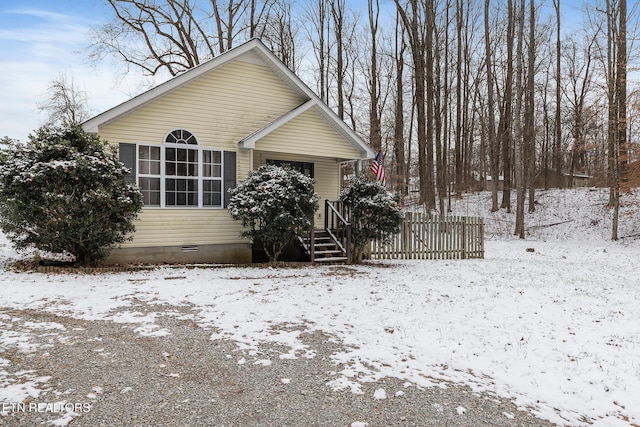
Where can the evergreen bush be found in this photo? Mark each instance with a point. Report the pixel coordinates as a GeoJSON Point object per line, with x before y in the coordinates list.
{"type": "Point", "coordinates": [64, 192]}
{"type": "Point", "coordinates": [275, 205]}
{"type": "Point", "coordinates": [374, 213]}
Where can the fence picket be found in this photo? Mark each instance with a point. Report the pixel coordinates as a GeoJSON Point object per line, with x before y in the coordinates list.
{"type": "Point", "coordinates": [432, 237]}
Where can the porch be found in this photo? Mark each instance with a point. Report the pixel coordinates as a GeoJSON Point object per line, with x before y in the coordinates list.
{"type": "Point", "coordinates": [421, 237]}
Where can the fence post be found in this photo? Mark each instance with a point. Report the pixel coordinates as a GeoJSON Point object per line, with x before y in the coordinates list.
{"type": "Point", "coordinates": [464, 237]}
{"type": "Point", "coordinates": [349, 243]}
{"type": "Point", "coordinates": [312, 244]}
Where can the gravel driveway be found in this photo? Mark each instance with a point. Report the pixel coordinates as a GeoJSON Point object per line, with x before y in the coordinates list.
{"type": "Point", "coordinates": [114, 376]}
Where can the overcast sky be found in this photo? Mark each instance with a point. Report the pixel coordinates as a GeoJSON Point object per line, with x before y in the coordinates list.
{"type": "Point", "coordinates": [41, 39]}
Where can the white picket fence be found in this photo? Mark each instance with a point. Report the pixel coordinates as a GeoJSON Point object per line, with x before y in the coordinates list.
{"type": "Point", "coordinates": [433, 237]}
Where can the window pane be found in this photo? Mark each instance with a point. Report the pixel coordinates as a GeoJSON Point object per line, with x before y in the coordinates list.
{"type": "Point", "coordinates": [154, 184]}
{"type": "Point", "coordinates": [171, 154]}
{"type": "Point", "coordinates": [170, 169]}
{"type": "Point", "coordinates": [193, 169]}
{"type": "Point", "coordinates": [181, 169]}
{"type": "Point", "coordinates": [181, 199]}
{"type": "Point", "coordinates": [193, 156]}
{"type": "Point", "coordinates": [181, 192]}
{"type": "Point", "coordinates": [181, 155]}
{"type": "Point", "coordinates": [211, 193]}
{"type": "Point", "coordinates": [143, 151]}
{"type": "Point", "coordinates": [143, 167]}
{"type": "Point", "coordinates": [154, 168]}
{"type": "Point", "coordinates": [150, 188]}
{"type": "Point", "coordinates": [154, 198]}
{"type": "Point", "coordinates": [154, 153]}
{"type": "Point", "coordinates": [212, 166]}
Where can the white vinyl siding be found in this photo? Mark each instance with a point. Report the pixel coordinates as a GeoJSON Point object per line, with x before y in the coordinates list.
{"type": "Point", "coordinates": [221, 108]}
{"type": "Point", "coordinates": [183, 227]}
{"type": "Point", "coordinates": [309, 135]}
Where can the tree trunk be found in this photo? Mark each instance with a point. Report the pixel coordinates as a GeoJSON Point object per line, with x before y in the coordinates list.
{"type": "Point", "coordinates": [557, 157]}
{"type": "Point", "coordinates": [520, 127]}
{"type": "Point", "coordinates": [531, 124]}
{"type": "Point", "coordinates": [507, 113]}
{"type": "Point", "coordinates": [621, 101]}
{"type": "Point", "coordinates": [398, 127]}
{"type": "Point", "coordinates": [491, 131]}
{"type": "Point", "coordinates": [459, 83]}
{"type": "Point", "coordinates": [375, 135]}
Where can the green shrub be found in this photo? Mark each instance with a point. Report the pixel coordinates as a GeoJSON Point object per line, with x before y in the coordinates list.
{"type": "Point", "coordinates": [374, 213]}
{"type": "Point", "coordinates": [275, 206]}
{"type": "Point", "coordinates": [65, 192]}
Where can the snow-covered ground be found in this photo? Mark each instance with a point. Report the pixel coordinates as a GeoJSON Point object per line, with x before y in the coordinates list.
{"type": "Point", "coordinates": [556, 329]}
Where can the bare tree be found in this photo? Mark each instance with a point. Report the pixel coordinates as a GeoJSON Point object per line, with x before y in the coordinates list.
{"type": "Point", "coordinates": [576, 90]}
{"type": "Point", "coordinates": [337, 8]}
{"type": "Point", "coordinates": [520, 124]}
{"type": "Point", "coordinates": [506, 114]}
{"type": "Point", "coordinates": [317, 30]}
{"type": "Point", "coordinates": [175, 35]}
{"type": "Point", "coordinates": [375, 132]}
{"type": "Point", "coordinates": [491, 125]}
{"type": "Point", "coordinates": [280, 33]}
{"type": "Point", "coordinates": [412, 17]}
{"type": "Point", "coordinates": [458, 147]}
{"type": "Point", "coordinates": [402, 171]}
{"type": "Point", "coordinates": [66, 103]}
{"type": "Point", "coordinates": [557, 141]}
{"type": "Point", "coordinates": [530, 142]}
{"type": "Point", "coordinates": [621, 103]}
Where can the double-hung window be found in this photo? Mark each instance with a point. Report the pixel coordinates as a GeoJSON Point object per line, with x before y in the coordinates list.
{"type": "Point", "coordinates": [180, 173]}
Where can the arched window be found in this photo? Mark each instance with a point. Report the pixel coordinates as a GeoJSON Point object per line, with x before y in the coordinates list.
{"type": "Point", "coordinates": [181, 169]}
{"type": "Point", "coordinates": [181, 136]}
{"type": "Point", "coordinates": [180, 173]}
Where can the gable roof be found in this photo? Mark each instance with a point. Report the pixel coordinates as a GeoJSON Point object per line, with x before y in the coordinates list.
{"type": "Point", "coordinates": [252, 51]}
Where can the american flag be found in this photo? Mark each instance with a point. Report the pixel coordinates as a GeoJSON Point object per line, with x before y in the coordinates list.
{"type": "Point", "coordinates": [378, 168]}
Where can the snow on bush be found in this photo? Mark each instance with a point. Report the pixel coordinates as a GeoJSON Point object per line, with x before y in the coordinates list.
{"type": "Point", "coordinates": [374, 213]}
{"type": "Point", "coordinates": [275, 205]}
{"type": "Point", "coordinates": [65, 192]}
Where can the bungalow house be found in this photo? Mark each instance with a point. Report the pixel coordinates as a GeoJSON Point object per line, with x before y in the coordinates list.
{"type": "Point", "coordinates": [190, 139]}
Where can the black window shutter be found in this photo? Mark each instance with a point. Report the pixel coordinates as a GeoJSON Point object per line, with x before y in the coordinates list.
{"type": "Point", "coordinates": [229, 174]}
{"type": "Point", "coordinates": [127, 154]}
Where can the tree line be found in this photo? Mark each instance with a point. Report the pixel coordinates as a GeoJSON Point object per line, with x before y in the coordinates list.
{"type": "Point", "coordinates": [458, 94]}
